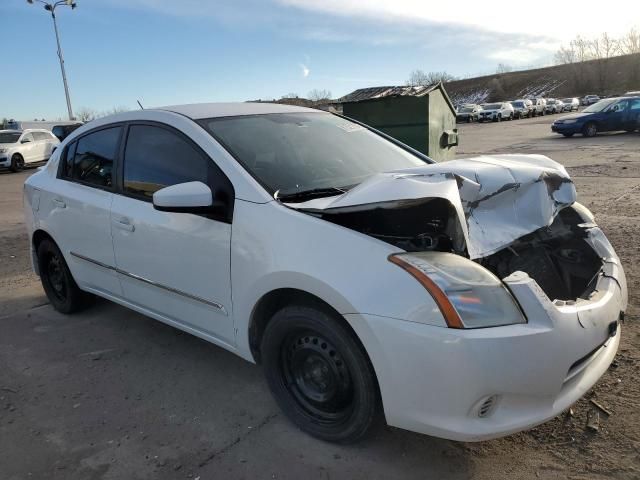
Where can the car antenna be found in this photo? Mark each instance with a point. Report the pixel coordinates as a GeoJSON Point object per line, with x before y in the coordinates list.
{"type": "Point", "coordinates": [141, 107]}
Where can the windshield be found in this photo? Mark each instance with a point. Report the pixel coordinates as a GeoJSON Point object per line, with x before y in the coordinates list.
{"type": "Point", "coordinates": [466, 109]}
{"type": "Point", "coordinates": [290, 152]}
{"type": "Point", "coordinates": [517, 104]}
{"type": "Point", "coordinates": [9, 137]}
{"type": "Point", "coordinates": [599, 106]}
{"type": "Point", "coordinates": [551, 102]}
{"type": "Point", "coordinates": [568, 100]}
{"type": "Point", "coordinates": [491, 106]}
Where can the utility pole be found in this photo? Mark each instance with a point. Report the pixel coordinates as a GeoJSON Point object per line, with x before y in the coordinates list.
{"type": "Point", "coordinates": [51, 7]}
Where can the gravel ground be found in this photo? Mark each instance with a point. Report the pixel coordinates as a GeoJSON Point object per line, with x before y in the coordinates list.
{"type": "Point", "coordinates": [110, 394]}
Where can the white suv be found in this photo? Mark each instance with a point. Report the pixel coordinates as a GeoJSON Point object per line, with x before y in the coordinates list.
{"type": "Point", "coordinates": [362, 275]}
{"type": "Point", "coordinates": [496, 112]}
{"type": "Point", "coordinates": [18, 148]}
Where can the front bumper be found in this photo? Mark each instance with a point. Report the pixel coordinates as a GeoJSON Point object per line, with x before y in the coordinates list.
{"type": "Point", "coordinates": [435, 380]}
{"type": "Point", "coordinates": [566, 127]}
{"type": "Point", "coordinates": [487, 118]}
{"type": "Point", "coordinates": [4, 160]}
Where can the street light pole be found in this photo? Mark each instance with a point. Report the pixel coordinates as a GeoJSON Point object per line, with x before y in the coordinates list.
{"type": "Point", "coordinates": [51, 7]}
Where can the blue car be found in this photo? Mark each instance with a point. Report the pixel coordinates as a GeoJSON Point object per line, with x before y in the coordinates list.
{"type": "Point", "coordinates": [607, 115]}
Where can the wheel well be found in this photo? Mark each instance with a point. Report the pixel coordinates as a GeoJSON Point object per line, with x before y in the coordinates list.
{"type": "Point", "coordinates": [16, 154]}
{"type": "Point", "coordinates": [38, 237]}
{"type": "Point", "coordinates": [275, 300]}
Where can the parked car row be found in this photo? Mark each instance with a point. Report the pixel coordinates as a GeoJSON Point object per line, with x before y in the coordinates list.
{"type": "Point", "coordinates": [515, 109]}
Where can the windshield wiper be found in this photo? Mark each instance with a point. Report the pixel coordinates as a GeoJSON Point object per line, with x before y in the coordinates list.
{"type": "Point", "coordinates": [309, 194]}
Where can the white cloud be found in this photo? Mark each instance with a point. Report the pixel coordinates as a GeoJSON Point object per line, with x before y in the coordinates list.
{"type": "Point", "coordinates": [557, 20]}
{"type": "Point", "coordinates": [305, 70]}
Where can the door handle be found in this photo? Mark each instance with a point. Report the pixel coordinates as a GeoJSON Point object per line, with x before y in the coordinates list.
{"type": "Point", "coordinates": [125, 224]}
{"type": "Point", "coordinates": [59, 203]}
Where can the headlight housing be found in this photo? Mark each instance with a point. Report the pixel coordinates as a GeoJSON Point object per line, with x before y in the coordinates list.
{"type": "Point", "coordinates": [3, 150]}
{"type": "Point", "coordinates": [468, 295]}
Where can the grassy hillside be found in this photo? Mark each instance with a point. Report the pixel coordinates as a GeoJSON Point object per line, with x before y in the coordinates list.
{"type": "Point", "coordinates": [611, 76]}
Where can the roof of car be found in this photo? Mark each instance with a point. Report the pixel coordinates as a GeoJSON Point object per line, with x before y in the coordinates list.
{"type": "Point", "coordinates": [198, 111]}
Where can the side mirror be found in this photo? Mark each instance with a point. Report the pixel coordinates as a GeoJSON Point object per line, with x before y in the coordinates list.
{"type": "Point", "coordinates": [189, 197]}
{"type": "Point", "coordinates": [25, 140]}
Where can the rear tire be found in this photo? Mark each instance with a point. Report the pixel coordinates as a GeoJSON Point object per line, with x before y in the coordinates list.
{"type": "Point", "coordinates": [319, 374]}
{"type": "Point", "coordinates": [58, 283]}
{"type": "Point", "coordinates": [589, 130]}
{"type": "Point", "coordinates": [17, 163]}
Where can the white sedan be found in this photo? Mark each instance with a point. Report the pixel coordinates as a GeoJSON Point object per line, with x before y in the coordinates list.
{"type": "Point", "coordinates": [467, 300]}
{"type": "Point", "coordinates": [20, 147]}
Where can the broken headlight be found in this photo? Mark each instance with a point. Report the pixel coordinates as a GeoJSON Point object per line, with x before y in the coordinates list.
{"type": "Point", "coordinates": [468, 295]}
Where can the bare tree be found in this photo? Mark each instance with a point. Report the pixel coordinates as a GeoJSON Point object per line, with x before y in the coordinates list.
{"type": "Point", "coordinates": [290, 95]}
{"type": "Point", "coordinates": [420, 78]}
{"type": "Point", "coordinates": [630, 42]}
{"type": "Point", "coordinates": [504, 68]}
{"type": "Point", "coordinates": [114, 110]}
{"type": "Point", "coordinates": [603, 47]}
{"type": "Point", "coordinates": [316, 95]}
{"type": "Point", "coordinates": [86, 114]}
{"type": "Point", "coordinates": [565, 55]}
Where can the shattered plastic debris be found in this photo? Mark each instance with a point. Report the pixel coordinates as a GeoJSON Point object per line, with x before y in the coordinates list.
{"type": "Point", "coordinates": [498, 198]}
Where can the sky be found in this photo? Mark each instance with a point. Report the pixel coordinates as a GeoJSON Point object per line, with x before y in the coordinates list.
{"type": "Point", "coordinates": [165, 52]}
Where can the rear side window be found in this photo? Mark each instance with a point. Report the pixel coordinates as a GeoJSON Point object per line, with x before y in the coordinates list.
{"type": "Point", "coordinates": [92, 161]}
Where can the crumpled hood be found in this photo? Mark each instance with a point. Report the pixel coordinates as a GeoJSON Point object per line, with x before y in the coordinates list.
{"type": "Point", "coordinates": [498, 198]}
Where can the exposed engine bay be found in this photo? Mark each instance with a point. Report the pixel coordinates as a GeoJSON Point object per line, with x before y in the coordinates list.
{"type": "Point", "coordinates": [558, 258]}
{"type": "Point", "coordinates": [397, 224]}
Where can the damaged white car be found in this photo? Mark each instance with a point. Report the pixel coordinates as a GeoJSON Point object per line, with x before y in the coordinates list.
{"type": "Point", "coordinates": [467, 300]}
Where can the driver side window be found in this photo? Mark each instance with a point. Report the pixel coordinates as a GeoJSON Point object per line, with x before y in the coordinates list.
{"type": "Point", "coordinates": [27, 137]}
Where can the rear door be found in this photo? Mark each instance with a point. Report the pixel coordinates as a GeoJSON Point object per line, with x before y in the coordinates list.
{"type": "Point", "coordinates": [176, 265]}
{"type": "Point", "coordinates": [632, 117]}
{"type": "Point", "coordinates": [78, 208]}
{"type": "Point", "coordinates": [40, 145]}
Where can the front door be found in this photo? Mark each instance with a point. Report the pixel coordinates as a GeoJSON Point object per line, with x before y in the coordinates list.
{"type": "Point", "coordinates": [175, 265]}
{"type": "Point", "coordinates": [616, 116]}
{"type": "Point", "coordinates": [28, 147]}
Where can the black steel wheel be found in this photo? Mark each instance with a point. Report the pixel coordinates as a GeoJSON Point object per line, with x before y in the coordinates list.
{"type": "Point", "coordinates": [319, 374]}
{"type": "Point", "coordinates": [57, 281]}
{"type": "Point", "coordinates": [17, 163]}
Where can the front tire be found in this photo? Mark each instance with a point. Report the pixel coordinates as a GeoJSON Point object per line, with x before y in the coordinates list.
{"type": "Point", "coordinates": [319, 374]}
{"type": "Point", "coordinates": [17, 163]}
{"type": "Point", "coordinates": [57, 281]}
{"type": "Point", "coordinates": [568, 135]}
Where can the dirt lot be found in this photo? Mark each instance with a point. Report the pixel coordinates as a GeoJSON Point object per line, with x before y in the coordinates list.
{"type": "Point", "coordinates": [111, 394]}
